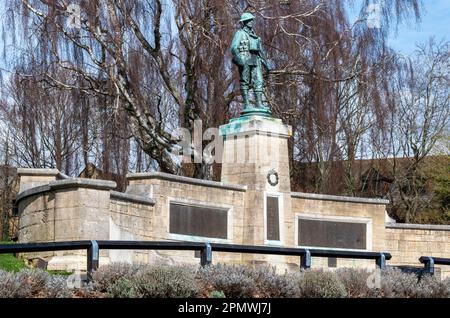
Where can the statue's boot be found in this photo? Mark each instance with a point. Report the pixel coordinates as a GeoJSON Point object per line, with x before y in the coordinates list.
{"type": "Point", "coordinates": [258, 98]}
{"type": "Point", "coordinates": [245, 98]}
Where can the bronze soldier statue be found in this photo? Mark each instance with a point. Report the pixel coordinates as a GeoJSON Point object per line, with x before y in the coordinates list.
{"type": "Point", "coordinates": [249, 56]}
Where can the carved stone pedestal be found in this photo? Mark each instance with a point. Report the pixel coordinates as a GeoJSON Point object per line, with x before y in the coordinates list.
{"type": "Point", "coordinates": [255, 154]}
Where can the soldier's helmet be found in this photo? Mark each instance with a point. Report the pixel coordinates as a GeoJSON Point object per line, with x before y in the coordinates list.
{"type": "Point", "coordinates": [246, 16]}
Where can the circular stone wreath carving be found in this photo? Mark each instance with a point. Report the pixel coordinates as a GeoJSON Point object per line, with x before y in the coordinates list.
{"type": "Point", "coordinates": [272, 177]}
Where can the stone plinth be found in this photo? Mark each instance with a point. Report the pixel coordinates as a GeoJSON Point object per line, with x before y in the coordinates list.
{"type": "Point", "coordinates": [255, 154]}
{"type": "Point", "coordinates": [253, 146]}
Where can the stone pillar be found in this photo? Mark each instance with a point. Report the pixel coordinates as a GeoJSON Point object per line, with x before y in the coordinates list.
{"type": "Point", "coordinates": [30, 177]}
{"type": "Point", "coordinates": [255, 154]}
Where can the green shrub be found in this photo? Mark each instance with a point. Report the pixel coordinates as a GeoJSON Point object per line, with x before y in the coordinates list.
{"type": "Point", "coordinates": [36, 279]}
{"type": "Point", "coordinates": [161, 281]}
{"type": "Point", "coordinates": [431, 287]}
{"type": "Point", "coordinates": [446, 286]}
{"type": "Point", "coordinates": [56, 287]}
{"type": "Point", "coordinates": [108, 275]}
{"type": "Point", "coordinates": [13, 286]}
{"type": "Point", "coordinates": [217, 294]}
{"type": "Point", "coordinates": [237, 281]}
{"type": "Point", "coordinates": [32, 283]}
{"type": "Point", "coordinates": [397, 284]}
{"type": "Point", "coordinates": [270, 284]}
{"type": "Point", "coordinates": [355, 282]}
{"type": "Point", "coordinates": [220, 281]}
{"type": "Point", "coordinates": [321, 284]}
{"type": "Point", "coordinates": [393, 283]}
{"type": "Point", "coordinates": [89, 291]}
{"type": "Point", "coordinates": [234, 281]}
{"type": "Point", "coordinates": [153, 281]}
{"type": "Point", "coordinates": [123, 288]}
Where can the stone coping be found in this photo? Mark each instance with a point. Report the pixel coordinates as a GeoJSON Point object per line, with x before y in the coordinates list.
{"type": "Point", "coordinates": [326, 197]}
{"type": "Point", "coordinates": [131, 198]}
{"type": "Point", "coordinates": [408, 226]}
{"type": "Point", "coordinates": [83, 183]}
{"type": "Point", "coordinates": [62, 176]}
{"type": "Point", "coordinates": [175, 178]}
{"type": "Point", "coordinates": [68, 183]}
{"type": "Point", "coordinates": [249, 125]}
{"type": "Point", "coordinates": [42, 172]}
{"type": "Point", "coordinates": [32, 191]}
{"type": "Point", "coordinates": [37, 172]}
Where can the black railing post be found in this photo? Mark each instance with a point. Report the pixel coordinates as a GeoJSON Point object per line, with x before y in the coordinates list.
{"type": "Point", "coordinates": [93, 255]}
{"type": "Point", "coordinates": [305, 260]}
{"type": "Point", "coordinates": [428, 262]}
{"type": "Point", "coordinates": [206, 255]}
{"type": "Point", "coordinates": [381, 261]}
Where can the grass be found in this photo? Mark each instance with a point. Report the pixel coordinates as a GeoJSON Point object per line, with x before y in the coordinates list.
{"type": "Point", "coordinates": [13, 264]}
{"type": "Point", "coordinates": [60, 273]}
{"type": "Point", "coordinates": [10, 263]}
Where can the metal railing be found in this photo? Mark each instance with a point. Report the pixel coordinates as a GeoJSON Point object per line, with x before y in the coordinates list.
{"type": "Point", "coordinates": [206, 250]}
{"type": "Point", "coordinates": [430, 261]}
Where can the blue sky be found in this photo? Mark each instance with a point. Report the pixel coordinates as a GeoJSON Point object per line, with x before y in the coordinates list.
{"type": "Point", "coordinates": [435, 22]}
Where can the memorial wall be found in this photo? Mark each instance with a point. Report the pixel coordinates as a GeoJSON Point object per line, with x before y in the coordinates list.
{"type": "Point", "coordinates": [252, 205]}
